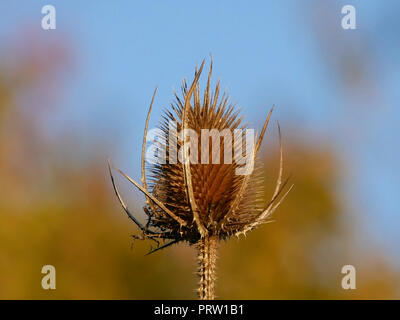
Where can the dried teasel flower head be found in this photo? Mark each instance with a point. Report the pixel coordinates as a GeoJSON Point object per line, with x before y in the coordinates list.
{"type": "Point", "coordinates": [205, 184]}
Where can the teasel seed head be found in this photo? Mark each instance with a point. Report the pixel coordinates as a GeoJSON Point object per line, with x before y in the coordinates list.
{"type": "Point", "coordinates": [204, 202]}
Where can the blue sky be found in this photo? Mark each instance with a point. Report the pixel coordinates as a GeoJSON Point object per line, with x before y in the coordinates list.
{"type": "Point", "coordinates": [287, 53]}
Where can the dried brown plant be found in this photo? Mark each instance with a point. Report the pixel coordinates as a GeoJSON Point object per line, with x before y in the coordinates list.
{"type": "Point", "coordinates": [196, 202]}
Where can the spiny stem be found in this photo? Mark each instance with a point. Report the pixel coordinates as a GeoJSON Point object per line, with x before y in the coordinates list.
{"type": "Point", "coordinates": [207, 257]}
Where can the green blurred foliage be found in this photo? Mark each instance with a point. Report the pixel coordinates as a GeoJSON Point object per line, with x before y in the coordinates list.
{"type": "Point", "coordinates": [65, 214]}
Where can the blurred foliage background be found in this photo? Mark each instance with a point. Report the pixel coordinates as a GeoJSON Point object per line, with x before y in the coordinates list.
{"type": "Point", "coordinates": [57, 207]}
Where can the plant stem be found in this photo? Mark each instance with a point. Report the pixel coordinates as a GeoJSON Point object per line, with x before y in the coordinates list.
{"type": "Point", "coordinates": [207, 257]}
